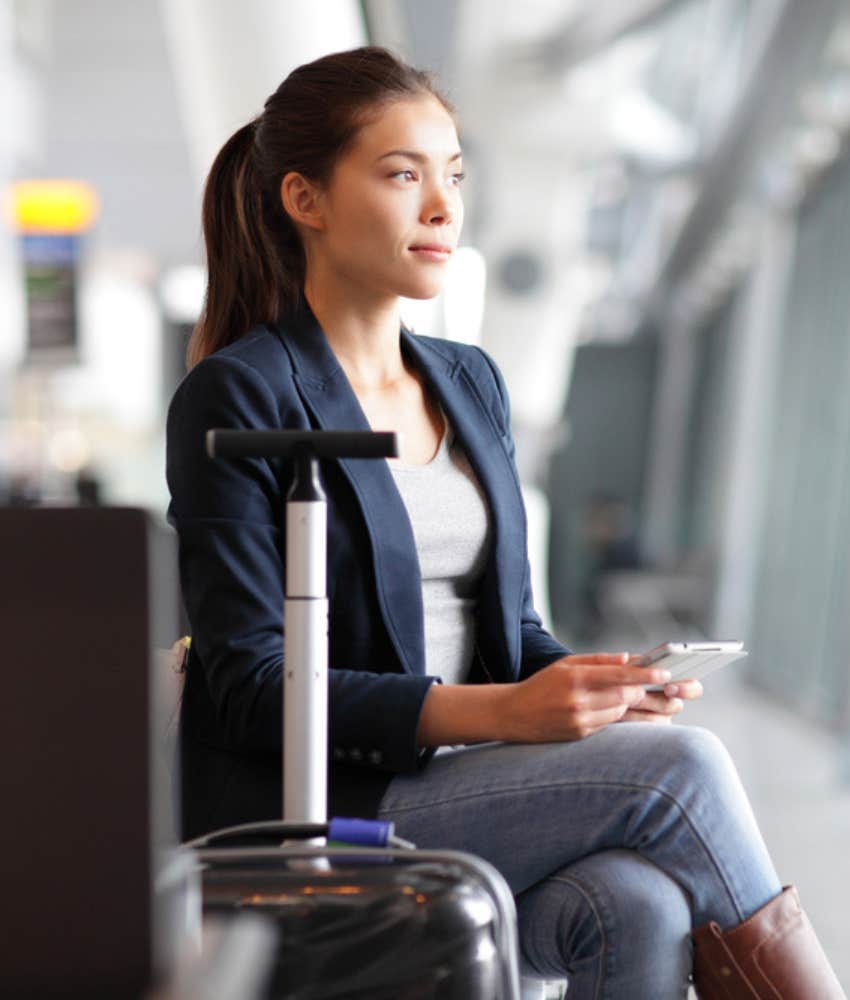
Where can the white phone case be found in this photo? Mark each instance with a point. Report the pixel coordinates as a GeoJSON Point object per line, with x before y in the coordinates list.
{"type": "Point", "coordinates": [692, 660]}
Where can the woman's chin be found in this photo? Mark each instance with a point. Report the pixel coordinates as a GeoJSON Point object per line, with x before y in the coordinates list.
{"type": "Point", "coordinates": [421, 291]}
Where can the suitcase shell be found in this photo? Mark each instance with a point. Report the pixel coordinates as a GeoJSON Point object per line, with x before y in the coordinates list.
{"type": "Point", "coordinates": [357, 923]}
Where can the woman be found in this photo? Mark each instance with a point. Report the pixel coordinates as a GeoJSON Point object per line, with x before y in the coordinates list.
{"type": "Point", "coordinates": [616, 837]}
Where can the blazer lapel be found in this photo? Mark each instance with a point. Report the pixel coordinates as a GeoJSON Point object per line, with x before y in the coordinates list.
{"type": "Point", "coordinates": [328, 395]}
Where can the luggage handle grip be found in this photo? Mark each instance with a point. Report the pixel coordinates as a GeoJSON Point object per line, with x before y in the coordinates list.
{"type": "Point", "coordinates": [228, 443]}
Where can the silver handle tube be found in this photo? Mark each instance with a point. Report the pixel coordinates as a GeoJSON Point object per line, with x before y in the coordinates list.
{"type": "Point", "coordinates": [305, 665]}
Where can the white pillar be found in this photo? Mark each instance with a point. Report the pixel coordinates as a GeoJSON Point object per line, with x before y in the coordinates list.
{"type": "Point", "coordinates": [229, 57]}
{"type": "Point", "coordinates": [532, 333]}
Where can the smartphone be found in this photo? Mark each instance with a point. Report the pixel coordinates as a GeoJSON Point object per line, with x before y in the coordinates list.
{"type": "Point", "coordinates": [691, 660]}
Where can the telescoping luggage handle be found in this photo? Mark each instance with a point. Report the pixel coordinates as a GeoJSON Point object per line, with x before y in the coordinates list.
{"type": "Point", "coordinates": [305, 660]}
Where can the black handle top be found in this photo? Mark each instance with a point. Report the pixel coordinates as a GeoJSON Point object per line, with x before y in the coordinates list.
{"type": "Point", "coordinates": [288, 444]}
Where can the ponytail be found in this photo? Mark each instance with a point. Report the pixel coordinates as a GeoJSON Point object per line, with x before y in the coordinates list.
{"type": "Point", "coordinates": [251, 263]}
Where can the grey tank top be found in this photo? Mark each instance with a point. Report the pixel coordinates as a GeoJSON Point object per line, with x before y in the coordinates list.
{"type": "Point", "coordinates": [451, 525]}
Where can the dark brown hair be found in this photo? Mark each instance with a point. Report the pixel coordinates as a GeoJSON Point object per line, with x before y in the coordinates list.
{"type": "Point", "coordinates": [255, 260]}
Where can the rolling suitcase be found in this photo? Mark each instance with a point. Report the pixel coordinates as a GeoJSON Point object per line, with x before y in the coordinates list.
{"type": "Point", "coordinates": [366, 915]}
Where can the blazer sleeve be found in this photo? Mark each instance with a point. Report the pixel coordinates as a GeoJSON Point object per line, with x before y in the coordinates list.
{"type": "Point", "coordinates": [229, 517]}
{"type": "Point", "coordinates": [538, 647]}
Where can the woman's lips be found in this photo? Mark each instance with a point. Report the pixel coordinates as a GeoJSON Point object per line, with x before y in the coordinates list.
{"type": "Point", "coordinates": [435, 253]}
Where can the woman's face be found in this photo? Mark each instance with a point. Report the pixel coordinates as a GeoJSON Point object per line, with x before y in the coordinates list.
{"type": "Point", "coordinates": [392, 210]}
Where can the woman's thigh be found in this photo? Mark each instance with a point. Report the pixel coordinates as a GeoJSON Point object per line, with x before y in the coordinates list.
{"type": "Point", "coordinates": [669, 792]}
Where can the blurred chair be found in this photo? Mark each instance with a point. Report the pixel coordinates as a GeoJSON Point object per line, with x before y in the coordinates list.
{"type": "Point", "coordinates": [658, 604]}
{"type": "Point", "coordinates": [87, 595]}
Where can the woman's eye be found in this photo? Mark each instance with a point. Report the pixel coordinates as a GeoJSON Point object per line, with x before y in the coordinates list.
{"type": "Point", "coordinates": [457, 178]}
{"type": "Point", "coordinates": [406, 174]}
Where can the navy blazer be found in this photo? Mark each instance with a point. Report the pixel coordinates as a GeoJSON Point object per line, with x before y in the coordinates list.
{"type": "Point", "coordinates": [229, 516]}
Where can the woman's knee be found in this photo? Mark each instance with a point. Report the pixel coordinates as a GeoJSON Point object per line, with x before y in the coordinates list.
{"type": "Point", "coordinates": [686, 757]}
{"type": "Point", "coordinates": [702, 749]}
{"type": "Point", "coordinates": [633, 895]}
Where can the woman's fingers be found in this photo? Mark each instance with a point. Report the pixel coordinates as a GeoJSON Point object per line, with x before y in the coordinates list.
{"type": "Point", "coordinates": [590, 722]}
{"type": "Point", "coordinates": [636, 715]}
{"type": "Point", "coordinates": [658, 703]}
{"type": "Point", "coordinates": [689, 690]}
{"type": "Point", "coordinates": [599, 699]}
{"type": "Point", "coordinates": [605, 680]}
{"type": "Point", "coordinates": [606, 669]}
{"type": "Point", "coordinates": [609, 675]}
{"type": "Point", "coordinates": [613, 659]}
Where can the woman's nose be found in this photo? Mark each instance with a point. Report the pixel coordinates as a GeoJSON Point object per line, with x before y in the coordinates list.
{"type": "Point", "coordinates": [438, 209]}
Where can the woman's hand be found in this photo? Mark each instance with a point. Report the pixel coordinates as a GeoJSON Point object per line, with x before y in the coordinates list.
{"type": "Point", "coordinates": [577, 696]}
{"type": "Point", "coordinates": [661, 706]}
{"type": "Point", "coordinates": [566, 700]}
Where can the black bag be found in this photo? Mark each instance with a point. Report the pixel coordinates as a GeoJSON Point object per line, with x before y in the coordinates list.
{"type": "Point", "coordinates": [360, 922]}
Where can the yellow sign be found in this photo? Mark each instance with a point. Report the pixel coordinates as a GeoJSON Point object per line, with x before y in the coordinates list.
{"type": "Point", "coordinates": [53, 206]}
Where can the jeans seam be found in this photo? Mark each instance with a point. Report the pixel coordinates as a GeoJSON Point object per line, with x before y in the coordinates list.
{"type": "Point", "coordinates": [587, 784]}
{"type": "Point", "coordinates": [571, 880]}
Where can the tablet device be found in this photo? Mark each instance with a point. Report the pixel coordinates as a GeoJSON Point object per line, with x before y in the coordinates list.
{"type": "Point", "coordinates": [691, 660]}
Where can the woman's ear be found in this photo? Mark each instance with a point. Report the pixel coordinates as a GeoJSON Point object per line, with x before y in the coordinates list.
{"type": "Point", "coordinates": [302, 201]}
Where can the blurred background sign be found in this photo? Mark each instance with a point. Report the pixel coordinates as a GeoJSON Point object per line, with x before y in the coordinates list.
{"type": "Point", "coordinates": [51, 216]}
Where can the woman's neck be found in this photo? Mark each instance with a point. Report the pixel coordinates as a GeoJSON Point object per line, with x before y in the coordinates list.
{"type": "Point", "coordinates": [362, 333]}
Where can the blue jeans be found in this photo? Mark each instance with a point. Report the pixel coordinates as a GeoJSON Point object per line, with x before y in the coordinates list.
{"type": "Point", "coordinates": [614, 846]}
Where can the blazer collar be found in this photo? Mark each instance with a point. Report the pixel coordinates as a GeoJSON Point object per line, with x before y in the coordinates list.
{"type": "Point", "coordinates": [333, 404]}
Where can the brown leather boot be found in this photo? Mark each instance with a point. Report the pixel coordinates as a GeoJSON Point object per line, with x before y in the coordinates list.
{"type": "Point", "coordinates": [773, 955]}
